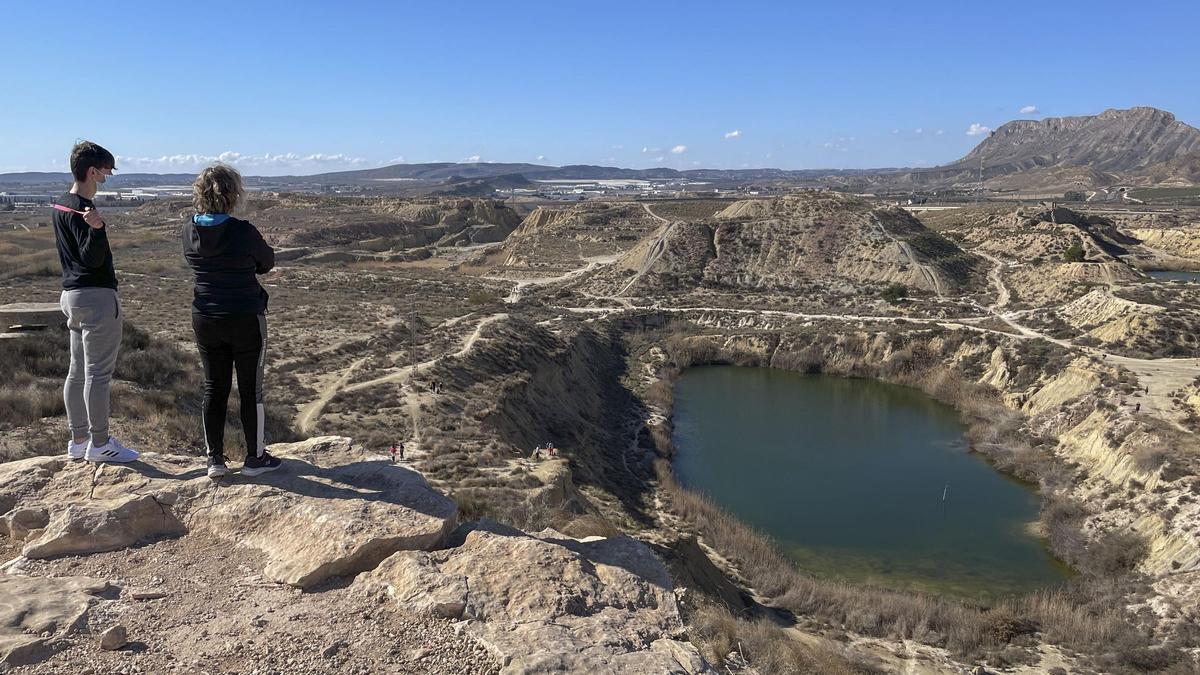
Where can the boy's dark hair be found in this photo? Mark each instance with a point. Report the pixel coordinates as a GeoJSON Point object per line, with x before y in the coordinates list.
{"type": "Point", "coordinates": [87, 155]}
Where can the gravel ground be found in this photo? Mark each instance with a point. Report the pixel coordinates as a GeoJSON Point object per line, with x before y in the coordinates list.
{"type": "Point", "coordinates": [217, 615]}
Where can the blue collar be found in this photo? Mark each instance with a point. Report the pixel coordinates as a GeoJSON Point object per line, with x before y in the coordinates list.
{"type": "Point", "coordinates": [209, 219]}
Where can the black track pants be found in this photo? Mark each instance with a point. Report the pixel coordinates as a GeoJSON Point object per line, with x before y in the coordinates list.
{"type": "Point", "coordinates": [237, 342]}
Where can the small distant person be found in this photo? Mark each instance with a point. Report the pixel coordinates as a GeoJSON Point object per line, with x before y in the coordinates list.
{"type": "Point", "coordinates": [1137, 408]}
{"type": "Point", "coordinates": [401, 451]}
{"type": "Point", "coordinates": [551, 450]}
{"type": "Point", "coordinates": [89, 301]}
{"type": "Point", "coordinates": [229, 310]}
{"type": "Point", "coordinates": [392, 453]}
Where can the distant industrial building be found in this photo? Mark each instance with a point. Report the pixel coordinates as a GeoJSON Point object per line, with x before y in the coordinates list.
{"type": "Point", "coordinates": [25, 199]}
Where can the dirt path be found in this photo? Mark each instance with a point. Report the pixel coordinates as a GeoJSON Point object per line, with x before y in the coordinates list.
{"type": "Point", "coordinates": [1157, 378]}
{"type": "Point", "coordinates": [310, 412]}
{"type": "Point", "coordinates": [1002, 293]}
{"type": "Point", "coordinates": [925, 270]}
{"type": "Point", "coordinates": [521, 283]}
{"type": "Point", "coordinates": [404, 373]}
{"type": "Point", "coordinates": [654, 215]}
{"type": "Point", "coordinates": [656, 249]}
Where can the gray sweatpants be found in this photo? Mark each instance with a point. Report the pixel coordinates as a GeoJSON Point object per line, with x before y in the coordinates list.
{"type": "Point", "coordinates": [94, 319]}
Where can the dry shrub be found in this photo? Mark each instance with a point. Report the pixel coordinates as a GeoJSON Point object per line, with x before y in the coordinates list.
{"type": "Point", "coordinates": [156, 394]}
{"type": "Point", "coordinates": [1115, 554]}
{"type": "Point", "coordinates": [763, 644]}
{"type": "Point", "coordinates": [589, 525]}
{"type": "Point", "coordinates": [33, 264]}
{"type": "Point", "coordinates": [660, 395]}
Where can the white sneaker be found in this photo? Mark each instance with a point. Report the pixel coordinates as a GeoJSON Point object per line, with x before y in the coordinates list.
{"type": "Point", "coordinates": [112, 451]}
{"type": "Point", "coordinates": [76, 450]}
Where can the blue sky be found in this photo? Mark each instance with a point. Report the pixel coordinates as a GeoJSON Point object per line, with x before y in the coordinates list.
{"type": "Point", "coordinates": [320, 86]}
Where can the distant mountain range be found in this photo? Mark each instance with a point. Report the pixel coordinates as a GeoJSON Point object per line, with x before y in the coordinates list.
{"type": "Point", "coordinates": [1138, 146]}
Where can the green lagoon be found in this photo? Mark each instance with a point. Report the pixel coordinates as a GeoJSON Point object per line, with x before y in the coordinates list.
{"type": "Point", "coordinates": [859, 479]}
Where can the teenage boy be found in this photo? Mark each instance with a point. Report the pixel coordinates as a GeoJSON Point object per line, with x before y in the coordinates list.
{"type": "Point", "coordinates": [89, 301]}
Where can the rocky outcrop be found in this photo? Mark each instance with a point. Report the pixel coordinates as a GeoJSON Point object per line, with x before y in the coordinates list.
{"type": "Point", "coordinates": [30, 313]}
{"type": "Point", "coordinates": [538, 603]}
{"type": "Point", "coordinates": [34, 613]}
{"type": "Point", "coordinates": [332, 510]}
{"type": "Point", "coordinates": [548, 603]}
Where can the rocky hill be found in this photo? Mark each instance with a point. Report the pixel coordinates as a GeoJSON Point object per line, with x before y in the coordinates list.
{"type": "Point", "coordinates": [1140, 146]}
{"type": "Point", "coordinates": [557, 239]}
{"type": "Point", "coordinates": [801, 242]}
{"type": "Point", "coordinates": [1133, 143]}
{"type": "Point", "coordinates": [385, 224]}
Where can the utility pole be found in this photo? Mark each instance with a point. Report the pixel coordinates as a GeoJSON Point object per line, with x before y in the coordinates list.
{"type": "Point", "coordinates": [412, 332]}
{"type": "Point", "coordinates": [980, 195]}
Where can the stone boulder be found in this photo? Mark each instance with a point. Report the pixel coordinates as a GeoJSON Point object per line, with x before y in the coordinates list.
{"type": "Point", "coordinates": [549, 603]}
{"type": "Point", "coordinates": [331, 510]}
{"type": "Point", "coordinates": [35, 613]}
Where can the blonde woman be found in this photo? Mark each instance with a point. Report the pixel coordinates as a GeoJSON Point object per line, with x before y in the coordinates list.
{"type": "Point", "coordinates": [229, 309]}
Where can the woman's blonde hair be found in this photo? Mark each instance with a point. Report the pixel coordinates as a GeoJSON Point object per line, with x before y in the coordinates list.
{"type": "Point", "coordinates": [217, 189]}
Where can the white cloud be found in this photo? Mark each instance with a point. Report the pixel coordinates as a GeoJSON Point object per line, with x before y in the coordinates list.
{"type": "Point", "coordinates": [895, 131]}
{"type": "Point", "coordinates": [618, 147]}
{"type": "Point", "coordinates": [659, 158]}
{"type": "Point", "coordinates": [1029, 110]}
{"type": "Point", "coordinates": [647, 150]}
{"type": "Point", "coordinates": [939, 132]}
{"type": "Point", "coordinates": [288, 161]}
{"type": "Point", "coordinates": [541, 157]}
{"type": "Point", "coordinates": [679, 150]}
{"type": "Point", "coordinates": [977, 129]}
{"type": "Point", "coordinates": [472, 159]}
{"type": "Point", "coordinates": [396, 160]}
{"type": "Point", "coordinates": [918, 131]}
{"type": "Point", "coordinates": [736, 133]}
{"type": "Point", "coordinates": [829, 145]}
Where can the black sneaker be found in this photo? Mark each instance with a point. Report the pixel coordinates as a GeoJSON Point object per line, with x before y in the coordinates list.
{"type": "Point", "coordinates": [216, 467]}
{"type": "Point", "coordinates": [256, 465]}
